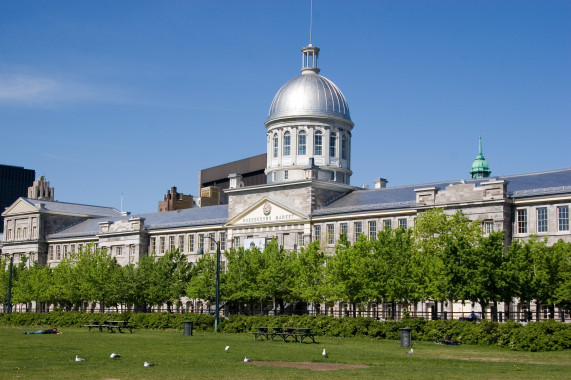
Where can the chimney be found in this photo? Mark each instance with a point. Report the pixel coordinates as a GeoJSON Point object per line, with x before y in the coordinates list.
{"type": "Point", "coordinates": [381, 183]}
{"type": "Point", "coordinates": [235, 180]}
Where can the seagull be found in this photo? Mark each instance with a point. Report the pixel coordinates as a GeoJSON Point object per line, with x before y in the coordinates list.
{"type": "Point", "coordinates": [410, 352]}
{"type": "Point", "coordinates": [227, 348]}
{"type": "Point", "coordinates": [78, 359]}
{"type": "Point", "coordinates": [246, 360]}
{"type": "Point", "coordinates": [148, 364]}
{"type": "Point", "coordinates": [114, 356]}
{"type": "Point", "coordinates": [324, 354]}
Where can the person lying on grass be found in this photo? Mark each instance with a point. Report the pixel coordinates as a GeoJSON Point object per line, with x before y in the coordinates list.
{"type": "Point", "coordinates": [48, 331]}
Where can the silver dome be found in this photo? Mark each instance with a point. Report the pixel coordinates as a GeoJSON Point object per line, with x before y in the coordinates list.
{"type": "Point", "coordinates": [309, 94]}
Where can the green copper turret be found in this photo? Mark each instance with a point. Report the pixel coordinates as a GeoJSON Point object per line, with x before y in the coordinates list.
{"type": "Point", "coordinates": [480, 167]}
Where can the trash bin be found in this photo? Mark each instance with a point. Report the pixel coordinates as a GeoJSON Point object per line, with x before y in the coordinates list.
{"type": "Point", "coordinates": [405, 337]}
{"type": "Point", "coordinates": [188, 325]}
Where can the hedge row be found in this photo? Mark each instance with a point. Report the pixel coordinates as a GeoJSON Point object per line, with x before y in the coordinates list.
{"type": "Point", "coordinates": [535, 336]}
{"type": "Point", "coordinates": [137, 320]}
{"type": "Point", "coordinates": [547, 335]}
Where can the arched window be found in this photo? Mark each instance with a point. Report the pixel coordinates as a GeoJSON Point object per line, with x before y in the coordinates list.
{"type": "Point", "coordinates": [287, 144]}
{"type": "Point", "coordinates": [301, 143]}
{"type": "Point", "coordinates": [332, 143]}
{"type": "Point", "coordinates": [344, 147]}
{"type": "Point", "coordinates": [275, 145]}
{"type": "Point", "coordinates": [318, 144]}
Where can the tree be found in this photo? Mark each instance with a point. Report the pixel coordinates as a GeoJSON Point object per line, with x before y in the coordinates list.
{"type": "Point", "coordinates": [275, 277]}
{"type": "Point", "coordinates": [309, 272]}
{"type": "Point", "coordinates": [349, 272]}
{"type": "Point", "coordinates": [393, 269]}
{"type": "Point", "coordinates": [449, 243]}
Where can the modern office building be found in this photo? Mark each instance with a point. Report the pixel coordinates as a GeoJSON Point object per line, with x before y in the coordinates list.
{"type": "Point", "coordinates": [14, 183]}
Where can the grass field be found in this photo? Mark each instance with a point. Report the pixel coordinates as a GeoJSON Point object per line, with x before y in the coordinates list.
{"type": "Point", "coordinates": [202, 356]}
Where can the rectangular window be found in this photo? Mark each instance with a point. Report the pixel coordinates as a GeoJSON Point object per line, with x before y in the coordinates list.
{"type": "Point", "coordinates": [131, 251]}
{"type": "Point", "coordinates": [358, 230]}
{"type": "Point", "coordinates": [212, 241]}
{"type": "Point", "coordinates": [79, 247]}
{"type": "Point", "coordinates": [200, 242]}
{"type": "Point", "coordinates": [330, 234]}
{"type": "Point", "coordinates": [318, 144]}
{"type": "Point", "coordinates": [344, 228]}
{"type": "Point", "coordinates": [171, 244]}
{"type": "Point", "coordinates": [118, 251]}
{"type": "Point", "coordinates": [344, 147]}
{"type": "Point", "coordinates": [488, 227]}
{"type": "Point", "coordinates": [58, 253]}
{"type": "Point", "coordinates": [72, 249]}
{"type": "Point", "coordinates": [190, 243]}
{"type": "Point", "coordinates": [332, 143]}
{"type": "Point", "coordinates": [563, 218]}
{"type": "Point", "coordinates": [162, 244]}
{"type": "Point", "coordinates": [522, 221]}
{"type": "Point", "coordinates": [222, 241]}
{"type": "Point", "coordinates": [65, 251]}
{"type": "Point", "coordinates": [287, 144]}
{"type": "Point", "coordinates": [181, 243]}
{"type": "Point", "coordinates": [300, 239]}
{"type": "Point", "coordinates": [301, 145]}
{"type": "Point", "coordinates": [317, 233]}
{"type": "Point", "coordinates": [402, 223]}
{"type": "Point", "coordinates": [387, 224]}
{"type": "Point", "coordinates": [51, 252]}
{"type": "Point", "coordinates": [286, 174]}
{"type": "Point", "coordinates": [153, 245]}
{"type": "Point", "coordinates": [372, 230]}
{"type": "Point", "coordinates": [275, 145]}
{"type": "Point", "coordinates": [237, 242]}
{"type": "Point", "coordinates": [542, 219]}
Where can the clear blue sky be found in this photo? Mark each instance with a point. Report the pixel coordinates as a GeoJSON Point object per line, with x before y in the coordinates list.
{"type": "Point", "coordinates": [132, 97]}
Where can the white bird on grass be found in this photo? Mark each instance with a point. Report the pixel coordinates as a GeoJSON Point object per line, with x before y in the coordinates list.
{"type": "Point", "coordinates": [246, 360]}
{"type": "Point", "coordinates": [410, 352]}
{"type": "Point", "coordinates": [324, 354]}
{"type": "Point", "coordinates": [78, 359]}
{"type": "Point", "coordinates": [114, 356]}
{"type": "Point", "coordinates": [148, 364]}
{"type": "Point", "coordinates": [227, 348]}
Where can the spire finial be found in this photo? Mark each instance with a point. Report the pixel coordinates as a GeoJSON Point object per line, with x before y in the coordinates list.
{"type": "Point", "coordinates": [480, 146]}
{"type": "Point", "coordinates": [310, 21]}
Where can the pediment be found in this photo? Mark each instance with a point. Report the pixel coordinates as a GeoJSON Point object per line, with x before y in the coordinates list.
{"type": "Point", "coordinates": [19, 207]}
{"type": "Point", "coordinates": [267, 211]}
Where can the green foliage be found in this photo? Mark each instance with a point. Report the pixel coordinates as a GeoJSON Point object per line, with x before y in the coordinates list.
{"type": "Point", "coordinates": [137, 320]}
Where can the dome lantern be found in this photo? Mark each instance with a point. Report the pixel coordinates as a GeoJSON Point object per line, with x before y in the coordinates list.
{"type": "Point", "coordinates": [310, 59]}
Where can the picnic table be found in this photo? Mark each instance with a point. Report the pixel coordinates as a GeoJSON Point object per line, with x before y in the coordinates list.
{"type": "Point", "coordinates": [110, 326]}
{"type": "Point", "coordinates": [297, 333]}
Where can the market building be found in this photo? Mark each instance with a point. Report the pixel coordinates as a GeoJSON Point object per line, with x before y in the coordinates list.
{"type": "Point", "coordinates": [306, 196]}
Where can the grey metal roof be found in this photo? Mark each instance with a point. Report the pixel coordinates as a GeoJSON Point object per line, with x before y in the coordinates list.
{"type": "Point", "coordinates": [519, 186]}
{"type": "Point", "coordinates": [72, 208]}
{"type": "Point", "coordinates": [309, 94]}
{"type": "Point", "coordinates": [203, 216]}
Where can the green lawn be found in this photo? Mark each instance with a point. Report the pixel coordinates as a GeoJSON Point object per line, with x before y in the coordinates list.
{"type": "Point", "coordinates": [202, 356]}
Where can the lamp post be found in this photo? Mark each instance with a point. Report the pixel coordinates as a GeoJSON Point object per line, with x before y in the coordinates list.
{"type": "Point", "coordinates": [217, 309]}
{"type": "Point", "coordinates": [9, 303]}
